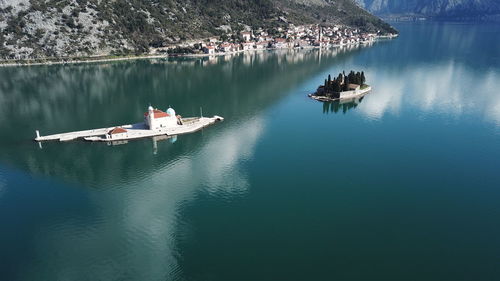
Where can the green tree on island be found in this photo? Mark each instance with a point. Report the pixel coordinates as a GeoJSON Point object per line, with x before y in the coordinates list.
{"type": "Point", "coordinates": [333, 88]}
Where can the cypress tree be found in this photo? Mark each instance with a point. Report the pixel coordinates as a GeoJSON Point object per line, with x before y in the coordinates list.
{"type": "Point", "coordinates": [336, 86]}
{"type": "Point", "coordinates": [346, 84]}
{"type": "Point", "coordinates": [339, 78]}
{"type": "Point", "coordinates": [351, 77]}
{"type": "Point", "coordinates": [363, 80]}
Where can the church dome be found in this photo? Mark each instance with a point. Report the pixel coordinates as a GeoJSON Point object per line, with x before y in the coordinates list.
{"type": "Point", "coordinates": [171, 111]}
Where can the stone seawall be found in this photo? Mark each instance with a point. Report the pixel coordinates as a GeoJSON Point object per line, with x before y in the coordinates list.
{"type": "Point", "coordinates": [354, 93]}
{"type": "Point", "coordinates": [344, 95]}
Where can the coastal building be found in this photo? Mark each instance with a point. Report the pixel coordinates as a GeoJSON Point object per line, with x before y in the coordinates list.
{"type": "Point", "coordinates": [235, 47]}
{"type": "Point", "coordinates": [247, 46]}
{"type": "Point", "coordinates": [261, 45]}
{"type": "Point", "coordinates": [228, 47]}
{"type": "Point", "coordinates": [354, 87]}
{"type": "Point", "coordinates": [246, 36]}
{"type": "Point", "coordinates": [300, 43]}
{"type": "Point", "coordinates": [280, 43]}
{"type": "Point", "coordinates": [157, 119]}
{"type": "Point", "coordinates": [353, 90]}
{"type": "Point", "coordinates": [117, 133]}
{"type": "Point", "coordinates": [210, 50]}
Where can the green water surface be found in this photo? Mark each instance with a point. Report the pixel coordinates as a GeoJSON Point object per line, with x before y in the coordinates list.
{"type": "Point", "coordinates": [401, 185]}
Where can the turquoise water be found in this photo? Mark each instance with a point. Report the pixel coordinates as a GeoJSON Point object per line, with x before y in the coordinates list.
{"type": "Point", "coordinates": [403, 185]}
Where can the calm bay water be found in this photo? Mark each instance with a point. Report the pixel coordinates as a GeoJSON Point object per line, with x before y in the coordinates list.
{"type": "Point", "coordinates": [403, 185]}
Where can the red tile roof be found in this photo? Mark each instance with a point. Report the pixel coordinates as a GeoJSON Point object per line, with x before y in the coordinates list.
{"type": "Point", "coordinates": [117, 130]}
{"type": "Point", "coordinates": [157, 113]}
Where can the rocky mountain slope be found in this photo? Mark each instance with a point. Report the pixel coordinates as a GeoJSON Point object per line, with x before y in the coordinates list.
{"type": "Point", "coordinates": [440, 9]}
{"type": "Point", "coordinates": [62, 28]}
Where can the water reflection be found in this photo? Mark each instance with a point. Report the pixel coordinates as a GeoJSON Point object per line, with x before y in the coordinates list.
{"type": "Point", "coordinates": [436, 70]}
{"type": "Point", "coordinates": [341, 106]}
{"type": "Point", "coordinates": [134, 228]}
{"type": "Point", "coordinates": [93, 211]}
{"type": "Point", "coordinates": [66, 98]}
{"type": "Point", "coordinates": [121, 204]}
{"type": "Point", "coordinates": [459, 91]}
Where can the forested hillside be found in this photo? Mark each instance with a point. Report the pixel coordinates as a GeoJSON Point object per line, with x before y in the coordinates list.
{"type": "Point", "coordinates": [60, 28]}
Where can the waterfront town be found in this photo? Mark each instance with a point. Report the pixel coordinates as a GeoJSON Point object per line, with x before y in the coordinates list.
{"type": "Point", "coordinates": [304, 36]}
{"type": "Point", "coordinates": [289, 37]}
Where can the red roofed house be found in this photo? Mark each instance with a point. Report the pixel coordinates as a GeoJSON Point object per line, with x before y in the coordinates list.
{"type": "Point", "coordinates": [210, 50]}
{"type": "Point", "coordinates": [226, 47]}
{"type": "Point", "coordinates": [116, 133]}
{"type": "Point", "coordinates": [247, 46]}
{"type": "Point", "coordinates": [280, 43]}
{"type": "Point", "coordinates": [246, 36]}
{"type": "Point", "coordinates": [261, 45]}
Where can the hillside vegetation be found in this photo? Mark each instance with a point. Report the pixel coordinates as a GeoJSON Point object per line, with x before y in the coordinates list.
{"type": "Point", "coordinates": [72, 28]}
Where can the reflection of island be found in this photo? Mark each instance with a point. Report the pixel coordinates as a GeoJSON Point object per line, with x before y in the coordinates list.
{"type": "Point", "coordinates": [341, 105]}
{"type": "Point", "coordinates": [343, 87]}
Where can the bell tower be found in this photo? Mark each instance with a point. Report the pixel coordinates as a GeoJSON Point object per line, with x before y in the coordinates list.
{"type": "Point", "coordinates": [151, 118]}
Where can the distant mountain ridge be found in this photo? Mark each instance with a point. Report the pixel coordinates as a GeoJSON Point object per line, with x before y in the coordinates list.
{"type": "Point", "coordinates": [61, 28]}
{"type": "Point", "coordinates": [439, 9]}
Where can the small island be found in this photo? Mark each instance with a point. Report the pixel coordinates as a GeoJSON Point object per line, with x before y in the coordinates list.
{"type": "Point", "coordinates": [343, 87]}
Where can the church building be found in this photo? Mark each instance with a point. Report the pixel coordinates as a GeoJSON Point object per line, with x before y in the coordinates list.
{"type": "Point", "coordinates": [156, 119]}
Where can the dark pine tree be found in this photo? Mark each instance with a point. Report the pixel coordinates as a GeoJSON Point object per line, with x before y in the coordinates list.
{"type": "Point", "coordinates": [336, 86]}
{"type": "Point", "coordinates": [346, 84]}
{"type": "Point", "coordinates": [352, 77]}
{"type": "Point", "coordinates": [340, 78]}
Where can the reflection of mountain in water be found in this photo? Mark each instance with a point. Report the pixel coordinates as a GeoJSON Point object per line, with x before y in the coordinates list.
{"type": "Point", "coordinates": [341, 106]}
{"type": "Point", "coordinates": [63, 98]}
{"type": "Point", "coordinates": [132, 221]}
{"type": "Point", "coordinates": [464, 83]}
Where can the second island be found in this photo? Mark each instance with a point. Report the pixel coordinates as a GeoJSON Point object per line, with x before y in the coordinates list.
{"type": "Point", "coordinates": [342, 87]}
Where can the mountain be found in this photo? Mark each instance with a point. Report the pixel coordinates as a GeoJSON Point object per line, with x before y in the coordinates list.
{"type": "Point", "coordinates": [62, 28]}
{"type": "Point", "coordinates": [437, 9]}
